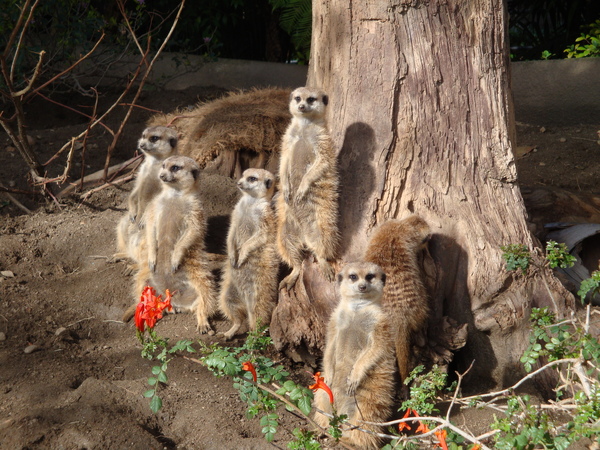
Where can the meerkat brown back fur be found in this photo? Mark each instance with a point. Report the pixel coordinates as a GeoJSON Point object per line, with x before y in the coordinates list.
{"type": "Point", "coordinates": [249, 287]}
{"type": "Point", "coordinates": [358, 362]}
{"type": "Point", "coordinates": [307, 207]}
{"type": "Point", "coordinates": [395, 246]}
{"type": "Point", "coordinates": [175, 227]}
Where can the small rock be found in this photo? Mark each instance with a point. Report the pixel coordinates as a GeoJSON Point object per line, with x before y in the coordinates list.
{"type": "Point", "coordinates": [31, 140]}
{"type": "Point", "coordinates": [7, 274]}
{"type": "Point", "coordinates": [2, 336]}
{"type": "Point", "coordinates": [563, 139]}
{"type": "Point", "coordinates": [32, 348]}
{"type": "Point", "coordinates": [542, 164]}
{"type": "Point", "coordinates": [60, 331]}
{"type": "Point", "coordinates": [542, 129]}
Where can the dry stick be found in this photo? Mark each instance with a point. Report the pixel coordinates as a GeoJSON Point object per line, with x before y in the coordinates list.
{"type": "Point", "coordinates": [521, 381]}
{"type": "Point", "coordinates": [460, 378]}
{"type": "Point", "coordinates": [13, 36]}
{"type": "Point", "coordinates": [143, 80]}
{"type": "Point", "coordinates": [17, 203]}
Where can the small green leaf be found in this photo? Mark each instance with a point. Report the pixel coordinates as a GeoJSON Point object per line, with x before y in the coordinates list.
{"type": "Point", "coordinates": [152, 381]}
{"type": "Point", "coordinates": [155, 404]}
{"type": "Point", "coordinates": [149, 393]}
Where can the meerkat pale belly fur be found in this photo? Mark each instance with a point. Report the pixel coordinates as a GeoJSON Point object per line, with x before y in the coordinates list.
{"type": "Point", "coordinates": [395, 246]}
{"type": "Point", "coordinates": [308, 205]}
{"type": "Point", "coordinates": [174, 257]}
{"type": "Point", "coordinates": [358, 362]}
{"type": "Point", "coordinates": [249, 287]}
{"type": "Point", "coordinates": [157, 144]}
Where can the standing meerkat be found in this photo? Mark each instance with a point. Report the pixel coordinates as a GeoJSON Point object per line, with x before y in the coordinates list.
{"type": "Point", "coordinates": [249, 288]}
{"type": "Point", "coordinates": [395, 246]}
{"type": "Point", "coordinates": [307, 207]}
{"type": "Point", "coordinates": [174, 255]}
{"type": "Point", "coordinates": [358, 362]}
{"type": "Point", "coordinates": [157, 144]}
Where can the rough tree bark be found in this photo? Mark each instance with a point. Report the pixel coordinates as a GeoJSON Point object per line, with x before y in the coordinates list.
{"type": "Point", "coordinates": [421, 113]}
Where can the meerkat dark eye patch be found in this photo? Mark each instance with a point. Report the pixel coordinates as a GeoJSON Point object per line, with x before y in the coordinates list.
{"type": "Point", "coordinates": [369, 277]}
{"type": "Point", "coordinates": [311, 100]}
{"type": "Point", "coordinates": [353, 276]}
{"type": "Point", "coordinates": [175, 168]}
{"type": "Point", "coordinates": [154, 138]}
{"type": "Point", "coordinates": [252, 179]}
{"type": "Point", "coordinates": [298, 99]}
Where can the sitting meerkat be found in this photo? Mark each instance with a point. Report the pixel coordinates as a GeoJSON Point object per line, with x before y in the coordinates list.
{"type": "Point", "coordinates": [174, 257]}
{"type": "Point", "coordinates": [307, 207]}
{"type": "Point", "coordinates": [249, 288]}
{"type": "Point", "coordinates": [157, 144]}
{"type": "Point", "coordinates": [359, 362]}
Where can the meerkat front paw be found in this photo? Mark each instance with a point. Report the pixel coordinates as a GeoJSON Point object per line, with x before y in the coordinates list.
{"type": "Point", "coordinates": [352, 384]}
{"type": "Point", "coordinates": [327, 270]}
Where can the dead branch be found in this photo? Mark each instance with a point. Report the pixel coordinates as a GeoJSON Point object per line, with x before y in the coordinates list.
{"type": "Point", "coordinates": [144, 78]}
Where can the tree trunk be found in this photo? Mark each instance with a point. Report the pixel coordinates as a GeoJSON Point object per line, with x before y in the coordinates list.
{"type": "Point", "coordinates": [421, 112]}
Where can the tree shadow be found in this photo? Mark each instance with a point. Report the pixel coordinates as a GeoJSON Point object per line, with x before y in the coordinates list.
{"type": "Point", "coordinates": [357, 179]}
{"type": "Point", "coordinates": [447, 280]}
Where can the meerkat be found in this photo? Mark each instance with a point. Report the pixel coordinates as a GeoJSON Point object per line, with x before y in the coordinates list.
{"type": "Point", "coordinates": [157, 144]}
{"type": "Point", "coordinates": [174, 256]}
{"type": "Point", "coordinates": [307, 206]}
{"type": "Point", "coordinates": [396, 246]}
{"type": "Point", "coordinates": [358, 362]}
{"type": "Point", "coordinates": [249, 288]}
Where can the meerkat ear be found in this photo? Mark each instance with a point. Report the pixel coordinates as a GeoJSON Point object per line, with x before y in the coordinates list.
{"type": "Point", "coordinates": [383, 277]}
{"type": "Point", "coordinates": [339, 278]}
{"type": "Point", "coordinates": [325, 99]}
{"type": "Point", "coordinates": [195, 173]}
{"type": "Point", "coordinates": [173, 142]}
{"type": "Point", "coordinates": [268, 183]}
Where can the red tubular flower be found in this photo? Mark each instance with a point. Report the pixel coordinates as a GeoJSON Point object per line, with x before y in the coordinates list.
{"type": "Point", "coordinates": [441, 435]}
{"type": "Point", "coordinates": [476, 447]}
{"type": "Point", "coordinates": [320, 384]}
{"type": "Point", "coordinates": [404, 425]}
{"type": "Point", "coordinates": [250, 368]}
{"type": "Point", "coordinates": [422, 428]}
{"type": "Point", "coordinates": [150, 308]}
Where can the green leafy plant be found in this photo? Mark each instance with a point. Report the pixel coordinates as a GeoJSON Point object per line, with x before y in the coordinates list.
{"type": "Point", "coordinates": [296, 21]}
{"type": "Point", "coordinates": [517, 256]}
{"type": "Point", "coordinates": [588, 44]}
{"type": "Point", "coordinates": [590, 286]}
{"type": "Point", "coordinates": [558, 255]}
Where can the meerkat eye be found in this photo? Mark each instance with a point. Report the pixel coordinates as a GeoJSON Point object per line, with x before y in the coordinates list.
{"type": "Point", "coordinates": [154, 138]}
{"type": "Point", "coordinates": [252, 179]}
{"type": "Point", "coordinates": [298, 99]}
{"type": "Point", "coordinates": [353, 276]}
{"type": "Point", "coordinates": [175, 168]}
{"type": "Point", "coordinates": [369, 277]}
{"type": "Point", "coordinates": [311, 100]}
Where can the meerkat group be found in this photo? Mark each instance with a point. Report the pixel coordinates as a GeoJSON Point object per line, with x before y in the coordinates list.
{"type": "Point", "coordinates": [382, 300]}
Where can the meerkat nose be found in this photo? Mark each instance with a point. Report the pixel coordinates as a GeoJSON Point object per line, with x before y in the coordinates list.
{"type": "Point", "coordinates": [362, 287]}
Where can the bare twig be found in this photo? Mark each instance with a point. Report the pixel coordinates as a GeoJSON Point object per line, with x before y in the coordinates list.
{"type": "Point", "coordinates": [144, 78]}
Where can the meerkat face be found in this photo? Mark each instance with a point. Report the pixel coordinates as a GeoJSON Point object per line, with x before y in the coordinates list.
{"type": "Point", "coordinates": [307, 102]}
{"type": "Point", "coordinates": [158, 141]}
{"type": "Point", "coordinates": [257, 183]}
{"type": "Point", "coordinates": [179, 172]}
{"type": "Point", "coordinates": [362, 281]}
